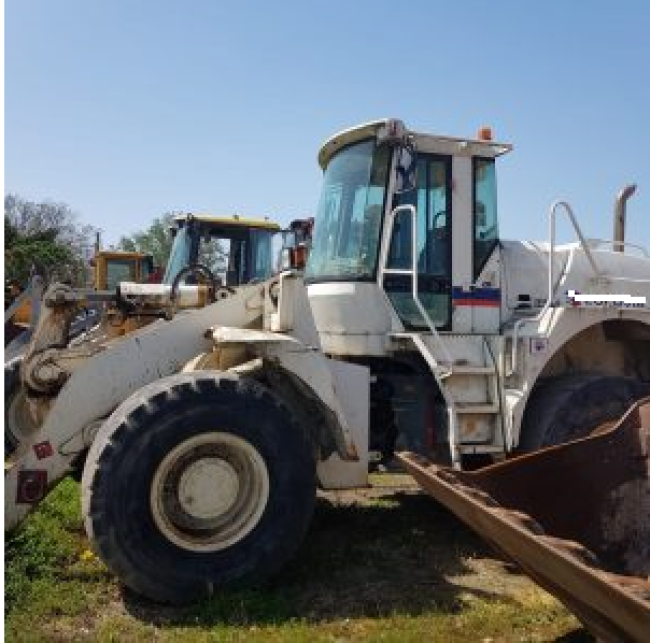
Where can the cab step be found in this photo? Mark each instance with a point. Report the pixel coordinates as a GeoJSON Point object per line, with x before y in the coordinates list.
{"type": "Point", "coordinates": [477, 409]}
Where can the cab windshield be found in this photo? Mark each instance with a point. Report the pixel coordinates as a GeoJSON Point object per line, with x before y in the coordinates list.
{"type": "Point", "coordinates": [348, 221]}
{"type": "Point", "coordinates": [179, 256]}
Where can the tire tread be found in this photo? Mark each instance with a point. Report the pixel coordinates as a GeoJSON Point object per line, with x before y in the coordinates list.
{"type": "Point", "coordinates": [123, 427]}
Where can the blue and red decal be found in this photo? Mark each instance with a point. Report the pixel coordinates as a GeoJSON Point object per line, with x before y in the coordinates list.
{"type": "Point", "coordinates": [483, 297]}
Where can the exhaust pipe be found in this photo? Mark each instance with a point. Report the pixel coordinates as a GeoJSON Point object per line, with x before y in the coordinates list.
{"type": "Point", "coordinates": [619, 216]}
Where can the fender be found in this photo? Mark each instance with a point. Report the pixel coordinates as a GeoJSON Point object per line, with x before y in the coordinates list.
{"type": "Point", "coordinates": [321, 376]}
{"type": "Point", "coordinates": [560, 326]}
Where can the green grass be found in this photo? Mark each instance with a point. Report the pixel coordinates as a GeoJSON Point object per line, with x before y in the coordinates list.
{"type": "Point", "coordinates": [386, 565]}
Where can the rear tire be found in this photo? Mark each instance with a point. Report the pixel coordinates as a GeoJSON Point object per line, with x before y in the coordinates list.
{"type": "Point", "coordinates": [574, 406]}
{"type": "Point", "coordinates": [198, 482]}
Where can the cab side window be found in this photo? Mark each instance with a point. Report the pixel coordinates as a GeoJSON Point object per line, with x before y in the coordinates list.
{"type": "Point", "coordinates": [486, 233]}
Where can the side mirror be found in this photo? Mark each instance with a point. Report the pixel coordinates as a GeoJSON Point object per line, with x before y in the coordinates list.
{"type": "Point", "coordinates": [406, 169]}
{"type": "Point", "coordinates": [289, 240]}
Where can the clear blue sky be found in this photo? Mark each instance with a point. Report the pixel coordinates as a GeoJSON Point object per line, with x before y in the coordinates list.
{"type": "Point", "coordinates": [126, 109]}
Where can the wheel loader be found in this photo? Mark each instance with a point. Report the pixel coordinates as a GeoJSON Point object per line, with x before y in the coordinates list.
{"type": "Point", "coordinates": [218, 253]}
{"type": "Point", "coordinates": [415, 327]}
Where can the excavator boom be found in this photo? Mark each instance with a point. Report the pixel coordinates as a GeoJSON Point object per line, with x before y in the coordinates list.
{"type": "Point", "coordinates": [574, 517]}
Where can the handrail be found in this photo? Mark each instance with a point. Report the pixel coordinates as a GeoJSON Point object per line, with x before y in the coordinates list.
{"type": "Point", "coordinates": [413, 271]}
{"type": "Point", "coordinates": [551, 277]}
{"type": "Point", "coordinates": [583, 243]}
{"type": "Point", "coordinates": [418, 341]}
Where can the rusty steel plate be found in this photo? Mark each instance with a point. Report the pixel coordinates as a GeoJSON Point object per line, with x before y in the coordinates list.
{"type": "Point", "coordinates": [575, 518]}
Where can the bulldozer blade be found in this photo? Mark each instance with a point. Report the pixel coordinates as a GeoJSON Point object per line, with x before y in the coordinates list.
{"type": "Point", "coordinates": [574, 517]}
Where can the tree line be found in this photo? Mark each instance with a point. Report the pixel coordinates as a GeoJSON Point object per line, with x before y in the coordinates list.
{"type": "Point", "coordinates": [44, 238]}
{"type": "Point", "coordinates": [47, 238]}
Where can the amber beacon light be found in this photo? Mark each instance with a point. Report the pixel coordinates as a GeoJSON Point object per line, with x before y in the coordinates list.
{"type": "Point", "coordinates": [485, 134]}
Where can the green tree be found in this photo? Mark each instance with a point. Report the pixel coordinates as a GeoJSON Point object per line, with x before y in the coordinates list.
{"type": "Point", "coordinates": [156, 240]}
{"type": "Point", "coordinates": [45, 238]}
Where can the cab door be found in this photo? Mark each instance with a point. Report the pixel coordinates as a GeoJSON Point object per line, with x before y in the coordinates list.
{"type": "Point", "coordinates": [432, 200]}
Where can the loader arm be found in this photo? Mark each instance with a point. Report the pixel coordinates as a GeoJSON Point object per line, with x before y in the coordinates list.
{"type": "Point", "coordinates": [97, 385]}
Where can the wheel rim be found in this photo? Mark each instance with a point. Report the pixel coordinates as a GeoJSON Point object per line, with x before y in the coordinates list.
{"type": "Point", "coordinates": [209, 492]}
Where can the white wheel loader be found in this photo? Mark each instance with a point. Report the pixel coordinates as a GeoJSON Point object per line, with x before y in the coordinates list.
{"type": "Point", "coordinates": [414, 327]}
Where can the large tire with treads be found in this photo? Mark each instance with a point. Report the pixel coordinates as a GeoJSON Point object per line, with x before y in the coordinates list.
{"type": "Point", "coordinates": [198, 482]}
{"type": "Point", "coordinates": [573, 406]}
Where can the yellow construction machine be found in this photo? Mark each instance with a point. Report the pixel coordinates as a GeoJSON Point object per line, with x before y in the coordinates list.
{"type": "Point", "coordinates": [110, 267]}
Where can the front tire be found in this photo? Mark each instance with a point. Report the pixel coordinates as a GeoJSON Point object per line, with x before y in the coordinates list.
{"type": "Point", "coordinates": [198, 482]}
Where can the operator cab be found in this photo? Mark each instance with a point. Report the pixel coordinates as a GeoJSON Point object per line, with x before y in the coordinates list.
{"type": "Point", "coordinates": [380, 180]}
{"type": "Point", "coordinates": [228, 250]}
{"type": "Point", "coordinates": [210, 257]}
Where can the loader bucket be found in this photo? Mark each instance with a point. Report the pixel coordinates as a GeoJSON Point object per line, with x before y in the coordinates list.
{"type": "Point", "coordinates": [575, 518]}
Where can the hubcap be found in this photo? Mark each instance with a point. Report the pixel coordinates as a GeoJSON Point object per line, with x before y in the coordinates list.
{"type": "Point", "coordinates": [208, 488]}
{"type": "Point", "coordinates": [209, 492]}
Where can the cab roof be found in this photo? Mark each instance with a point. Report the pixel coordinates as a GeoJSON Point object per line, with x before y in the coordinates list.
{"type": "Point", "coordinates": [234, 220]}
{"type": "Point", "coordinates": [424, 142]}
